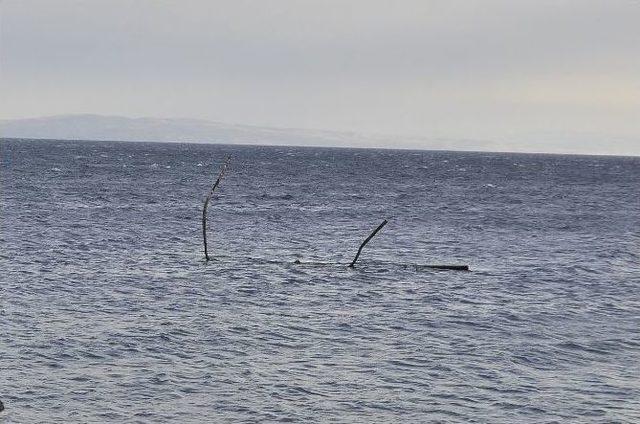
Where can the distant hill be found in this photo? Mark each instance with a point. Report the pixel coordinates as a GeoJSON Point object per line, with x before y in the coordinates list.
{"type": "Point", "coordinates": [117, 128]}
{"type": "Point", "coordinates": [98, 127]}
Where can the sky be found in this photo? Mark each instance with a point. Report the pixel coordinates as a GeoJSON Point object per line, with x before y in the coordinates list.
{"type": "Point", "coordinates": [525, 73]}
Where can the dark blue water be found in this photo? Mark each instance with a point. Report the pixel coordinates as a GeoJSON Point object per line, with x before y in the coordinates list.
{"type": "Point", "coordinates": [108, 312]}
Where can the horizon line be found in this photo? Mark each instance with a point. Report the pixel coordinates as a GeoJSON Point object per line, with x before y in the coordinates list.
{"type": "Point", "coordinates": [407, 149]}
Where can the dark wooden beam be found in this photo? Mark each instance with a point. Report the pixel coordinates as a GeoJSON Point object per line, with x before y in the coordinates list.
{"type": "Point", "coordinates": [223, 169]}
{"type": "Point", "coordinates": [367, 241]}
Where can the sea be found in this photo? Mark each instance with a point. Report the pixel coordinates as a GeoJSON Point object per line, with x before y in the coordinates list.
{"type": "Point", "coordinates": [110, 313]}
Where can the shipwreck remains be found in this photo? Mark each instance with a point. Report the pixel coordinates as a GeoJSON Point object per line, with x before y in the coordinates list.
{"type": "Point", "coordinates": [223, 170]}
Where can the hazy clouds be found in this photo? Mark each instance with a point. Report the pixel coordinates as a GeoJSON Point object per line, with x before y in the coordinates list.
{"type": "Point", "coordinates": [526, 73]}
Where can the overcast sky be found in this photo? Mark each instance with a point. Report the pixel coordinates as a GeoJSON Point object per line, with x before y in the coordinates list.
{"type": "Point", "coordinates": [517, 71]}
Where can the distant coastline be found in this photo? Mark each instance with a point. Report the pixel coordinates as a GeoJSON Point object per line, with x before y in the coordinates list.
{"type": "Point", "coordinates": [87, 127]}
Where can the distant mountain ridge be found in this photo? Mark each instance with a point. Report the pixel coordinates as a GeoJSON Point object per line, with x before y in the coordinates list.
{"type": "Point", "coordinates": [118, 128]}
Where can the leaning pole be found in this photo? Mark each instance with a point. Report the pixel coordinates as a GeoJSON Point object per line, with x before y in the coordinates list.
{"type": "Point", "coordinates": [223, 169]}
{"type": "Point", "coordinates": [367, 241]}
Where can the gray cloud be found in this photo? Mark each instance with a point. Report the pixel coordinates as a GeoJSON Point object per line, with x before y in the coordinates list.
{"type": "Point", "coordinates": [502, 70]}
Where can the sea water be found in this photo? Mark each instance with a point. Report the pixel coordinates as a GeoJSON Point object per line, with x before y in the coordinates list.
{"type": "Point", "coordinates": [109, 313]}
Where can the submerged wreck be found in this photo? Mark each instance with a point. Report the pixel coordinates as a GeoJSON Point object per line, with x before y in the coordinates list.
{"type": "Point", "coordinates": [223, 170]}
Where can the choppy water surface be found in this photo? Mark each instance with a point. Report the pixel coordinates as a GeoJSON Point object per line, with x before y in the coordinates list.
{"type": "Point", "coordinates": [108, 312]}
